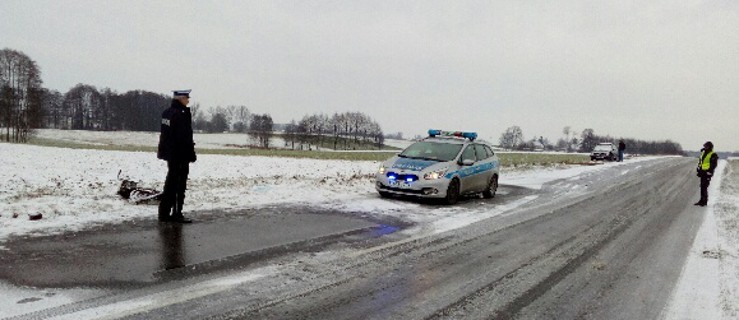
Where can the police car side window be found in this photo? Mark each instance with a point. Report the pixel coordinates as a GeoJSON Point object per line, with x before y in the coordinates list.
{"type": "Point", "coordinates": [469, 153]}
{"type": "Point", "coordinates": [489, 151]}
{"type": "Point", "coordinates": [480, 150]}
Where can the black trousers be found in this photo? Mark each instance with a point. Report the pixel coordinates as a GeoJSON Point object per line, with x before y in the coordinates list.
{"type": "Point", "coordinates": [173, 196]}
{"type": "Point", "coordinates": [705, 181]}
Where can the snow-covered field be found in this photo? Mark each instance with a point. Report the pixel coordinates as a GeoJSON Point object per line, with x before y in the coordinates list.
{"type": "Point", "coordinates": [140, 138]}
{"type": "Point", "coordinates": [74, 189]}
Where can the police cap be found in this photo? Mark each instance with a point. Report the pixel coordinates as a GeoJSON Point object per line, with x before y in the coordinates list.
{"type": "Point", "coordinates": [181, 93]}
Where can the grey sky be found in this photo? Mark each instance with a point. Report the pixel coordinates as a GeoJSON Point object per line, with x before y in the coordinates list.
{"type": "Point", "coordinates": [643, 69]}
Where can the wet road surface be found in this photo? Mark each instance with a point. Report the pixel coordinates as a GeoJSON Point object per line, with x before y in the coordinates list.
{"type": "Point", "coordinates": [145, 251]}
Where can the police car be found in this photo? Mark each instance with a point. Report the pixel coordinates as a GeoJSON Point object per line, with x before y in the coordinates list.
{"type": "Point", "coordinates": [445, 165]}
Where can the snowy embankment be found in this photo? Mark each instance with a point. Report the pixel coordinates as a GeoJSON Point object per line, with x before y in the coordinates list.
{"type": "Point", "coordinates": [72, 188]}
{"type": "Point", "coordinates": [709, 284]}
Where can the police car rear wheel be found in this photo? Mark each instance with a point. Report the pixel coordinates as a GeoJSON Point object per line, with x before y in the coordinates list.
{"type": "Point", "coordinates": [385, 194]}
{"type": "Point", "coordinates": [452, 192]}
{"type": "Point", "coordinates": [492, 188]}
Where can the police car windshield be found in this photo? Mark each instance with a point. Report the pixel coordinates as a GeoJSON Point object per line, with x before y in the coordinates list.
{"type": "Point", "coordinates": [602, 148]}
{"type": "Point", "coordinates": [432, 151]}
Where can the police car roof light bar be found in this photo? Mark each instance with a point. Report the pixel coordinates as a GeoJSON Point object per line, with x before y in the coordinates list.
{"type": "Point", "coordinates": [460, 134]}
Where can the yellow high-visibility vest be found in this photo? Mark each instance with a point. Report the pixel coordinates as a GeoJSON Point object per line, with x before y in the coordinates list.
{"type": "Point", "coordinates": [705, 162]}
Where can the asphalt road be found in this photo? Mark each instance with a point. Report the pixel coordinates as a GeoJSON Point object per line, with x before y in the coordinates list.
{"type": "Point", "coordinates": [139, 253]}
{"type": "Point", "coordinates": [609, 245]}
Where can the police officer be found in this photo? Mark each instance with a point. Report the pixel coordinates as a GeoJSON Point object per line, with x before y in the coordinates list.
{"type": "Point", "coordinates": [706, 165]}
{"type": "Point", "coordinates": [176, 146]}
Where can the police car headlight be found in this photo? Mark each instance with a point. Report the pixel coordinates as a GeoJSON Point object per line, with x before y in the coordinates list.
{"type": "Point", "coordinates": [381, 170]}
{"type": "Point", "coordinates": [433, 175]}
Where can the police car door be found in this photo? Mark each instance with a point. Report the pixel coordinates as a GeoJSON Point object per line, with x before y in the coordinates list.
{"type": "Point", "coordinates": [483, 163]}
{"type": "Point", "coordinates": [467, 175]}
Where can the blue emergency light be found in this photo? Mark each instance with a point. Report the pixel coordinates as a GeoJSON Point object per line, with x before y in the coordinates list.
{"type": "Point", "coordinates": [460, 134]}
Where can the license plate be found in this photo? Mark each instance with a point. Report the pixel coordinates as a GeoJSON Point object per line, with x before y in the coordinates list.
{"type": "Point", "coordinates": [400, 184]}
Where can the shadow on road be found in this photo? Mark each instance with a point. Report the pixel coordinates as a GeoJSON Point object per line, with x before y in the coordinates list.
{"type": "Point", "coordinates": [144, 251]}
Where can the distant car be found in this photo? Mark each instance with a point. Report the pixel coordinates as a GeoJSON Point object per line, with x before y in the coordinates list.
{"type": "Point", "coordinates": [604, 151]}
{"type": "Point", "coordinates": [445, 165]}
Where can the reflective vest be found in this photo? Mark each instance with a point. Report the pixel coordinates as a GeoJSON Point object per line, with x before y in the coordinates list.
{"type": "Point", "coordinates": [705, 161]}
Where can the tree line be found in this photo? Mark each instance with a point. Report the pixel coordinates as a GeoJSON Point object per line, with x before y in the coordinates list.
{"type": "Point", "coordinates": [513, 139]}
{"type": "Point", "coordinates": [26, 105]}
{"type": "Point", "coordinates": [349, 130]}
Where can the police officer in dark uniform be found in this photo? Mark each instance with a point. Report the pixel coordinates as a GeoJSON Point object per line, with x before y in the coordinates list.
{"type": "Point", "coordinates": [176, 146]}
{"type": "Point", "coordinates": [706, 165]}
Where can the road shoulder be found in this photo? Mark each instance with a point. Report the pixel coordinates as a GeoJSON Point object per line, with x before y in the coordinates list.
{"type": "Point", "coordinates": [697, 294]}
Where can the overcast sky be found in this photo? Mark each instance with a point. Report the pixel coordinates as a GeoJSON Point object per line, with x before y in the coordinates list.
{"type": "Point", "coordinates": [651, 70]}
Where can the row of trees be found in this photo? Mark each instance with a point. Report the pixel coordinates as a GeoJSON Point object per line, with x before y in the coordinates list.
{"type": "Point", "coordinates": [85, 108]}
{"type": "Point", "coordinates": [25, 105]}
{"type": "Point", "coordinates": [513, 139]}
{"type": "Point", "coordinates": [341, 131]}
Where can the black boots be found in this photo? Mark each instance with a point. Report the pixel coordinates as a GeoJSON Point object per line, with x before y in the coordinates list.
{"type": "Point", "coordinates": [700, 203]}
{"type": "Point", "coordinates": [175, 217]}
{"type": "Point", "coordinates": [179, 218]}
{"type": "Point", "coordinates": [164, 214]}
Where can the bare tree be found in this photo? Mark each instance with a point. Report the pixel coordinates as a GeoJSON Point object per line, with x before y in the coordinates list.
{"type": "Point", "coordinates": [512, 138]}
{"type": "Point", "coordinates": [218, 122]}
{"type": "Point", "coordinates": [340, 127]}
{"type": "Point", "coordinates": [83, 103]}
{"type": "Point", "coordinates": [225, 115]}
{"type": "Point", "coordinates": [291, 134]}
{"type": "Point", "coordinates": [52, 106]}
{"type": "Point", "coordinates": [241, 118]}
{"type": "Point", "coordinates": [21, 96]}
{"type": "Point", "coordinates": [562, 144]}
{"type": "Point", "coordinates": [566, 131]}
{"type": "Point", "coordinates": [589, 140]}
{"type": "Point", "coordinates": [261, 127]}
{"type": "Point", "coordinates": [313, 128]}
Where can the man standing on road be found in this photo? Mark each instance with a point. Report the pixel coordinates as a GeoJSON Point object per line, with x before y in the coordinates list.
{"type": "Point", "coordinates": [706, 165]}
{"type": "Point", "coordinates": [176, 146]}
{"type": "Point", "coordinates": [621, 148]}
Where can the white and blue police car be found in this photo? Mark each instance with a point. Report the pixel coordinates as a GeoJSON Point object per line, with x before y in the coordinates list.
{"type": "Point", "coordinates": [444, 165]}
